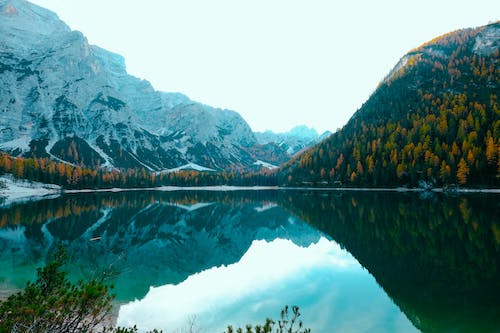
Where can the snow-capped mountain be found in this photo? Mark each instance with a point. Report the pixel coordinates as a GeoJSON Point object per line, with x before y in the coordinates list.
{"type": "Point", "coordinates": [293, 141]}
{"type": "Point", "coordinates": [63, 98]}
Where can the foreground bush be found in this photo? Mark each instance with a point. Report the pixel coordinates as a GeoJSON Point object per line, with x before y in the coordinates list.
{"type": "Point", "coordinates": [287, 324]}
{"type": "Point", "coordinates": [53, 304]}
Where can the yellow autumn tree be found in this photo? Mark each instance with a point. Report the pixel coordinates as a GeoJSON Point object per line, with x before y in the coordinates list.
{"type": "Point", "coordinates": [444, 172]}
{"type": "Point", "coordinates": [353, 176]}
{"type": "Point", "coordinates": [491, 150]}
{"type": "Point", "coordinates": [462, 172]}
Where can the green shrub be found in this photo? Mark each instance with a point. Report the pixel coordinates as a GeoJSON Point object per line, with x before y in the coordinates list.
{"type": "Point", "coordinates": [287, 324]}
{"type": "Point", "coordinates": [53, 304]}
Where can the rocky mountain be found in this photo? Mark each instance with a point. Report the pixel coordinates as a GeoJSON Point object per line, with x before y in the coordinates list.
{"type": "Point", "coordinates": [63, 98]}
{"type": "Point", "coordinates": [433, 121]}
{"type": "Point", "coordinates": [293, 141]}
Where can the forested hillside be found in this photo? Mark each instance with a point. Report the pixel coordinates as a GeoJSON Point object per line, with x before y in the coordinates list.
{"type": "Point", "coordinates": [433, 121]}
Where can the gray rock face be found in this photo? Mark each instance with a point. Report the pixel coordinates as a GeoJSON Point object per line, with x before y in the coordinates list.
{"type": "Point", "coordinates": [488, 40]}
{"type": "Point", "coordinates": [56, 89]}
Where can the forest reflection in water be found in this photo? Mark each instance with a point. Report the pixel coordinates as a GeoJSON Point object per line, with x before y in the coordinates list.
{"type": "Point", "coordinates": [436, 257]}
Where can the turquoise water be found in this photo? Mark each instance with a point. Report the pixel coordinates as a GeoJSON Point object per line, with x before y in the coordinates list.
{"type": "Point", "coordinates": [352, 262]}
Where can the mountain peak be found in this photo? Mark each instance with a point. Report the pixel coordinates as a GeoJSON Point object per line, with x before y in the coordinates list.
{"type": "Point", "coordinates": [34, 18]}
{"type": "Point", "coordinates": [293, 141]}
{"type": "Point", "coordinates": [304, 131]}
{"type": "Point", "coordinates": [63, 98]}
{"type": "Point", "coordinates": [10, 10]}
{"type": "Point", "coordinates": [23, 24]}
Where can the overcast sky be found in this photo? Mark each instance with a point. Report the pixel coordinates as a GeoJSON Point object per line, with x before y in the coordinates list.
{"type": "Point", "coordinates": [279, 63]}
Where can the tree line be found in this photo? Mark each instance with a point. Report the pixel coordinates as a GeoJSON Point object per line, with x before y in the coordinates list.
{"type": "Point", "coordinates": [71, 176]}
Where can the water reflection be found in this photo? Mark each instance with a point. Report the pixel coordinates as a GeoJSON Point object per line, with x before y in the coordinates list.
{"type": "Point", "coordinates": [328, 282]}
{"type": "Point", "coordinates": [437, 257]}
{"type": "Point", "coordinates": [145, 239]}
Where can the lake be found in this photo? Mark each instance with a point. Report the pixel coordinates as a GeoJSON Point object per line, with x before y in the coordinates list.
{"type": "Point", "coordinates": [352, 261]}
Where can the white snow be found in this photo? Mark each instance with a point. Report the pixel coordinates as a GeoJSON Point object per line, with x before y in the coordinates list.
{"type": "Point", "coordinates": [265, 165]}
{"type": "Point", "coordinates": [106, 214]}
{"type": "Point", "coordinates": [263, 208]}
{"type": "Point", "coordinates": [108, 164]}
{"type": "Point", "coordinates": [17, 190]}
{"type": "Point", "coordinates": [182, 150]}
{"type": "Point", "coordinates": [189, 166]}
{"type": "Point", "coordinates": [22, 143]}
{"type": "Point", "coordinates": [191, 208]}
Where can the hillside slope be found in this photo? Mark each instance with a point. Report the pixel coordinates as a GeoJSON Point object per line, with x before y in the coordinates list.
{"type": "Point", "coordinates": [433, 121]}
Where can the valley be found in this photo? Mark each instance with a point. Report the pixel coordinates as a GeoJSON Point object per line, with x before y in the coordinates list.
{"type": "Point", "coordinates": [170, 212]}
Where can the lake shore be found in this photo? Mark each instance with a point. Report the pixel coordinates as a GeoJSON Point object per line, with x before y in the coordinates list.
{"type": "Point", "coordinates": [19, 190]}
{"type": "Point", "coordinates": [16, 190]}
{"type": "Point", "coordinates": [225, 188]}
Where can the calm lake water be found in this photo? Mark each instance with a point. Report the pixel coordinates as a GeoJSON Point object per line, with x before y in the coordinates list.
{"type": "Point", "coordinates": [352, 262]}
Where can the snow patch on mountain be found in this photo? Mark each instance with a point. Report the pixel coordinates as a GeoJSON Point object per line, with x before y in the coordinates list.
{"type": "Point", "coordinates": [22, 143]}
{"type": "Point", "coordinates": [189, 166]}
{"type": "Point", "coordinates": [266, 165]}
{"type": "Point", "coordinates": [265, 207]}
{"type": "Point", "coordinates": [192, 208]}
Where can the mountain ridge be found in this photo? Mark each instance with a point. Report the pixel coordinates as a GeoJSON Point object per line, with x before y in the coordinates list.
{"type": "Point", "coordinates": [62, 95]}
{"type": "Point", "coordinates": [433, 121]}
{"type": "Point", "coordinates": [293, 141]}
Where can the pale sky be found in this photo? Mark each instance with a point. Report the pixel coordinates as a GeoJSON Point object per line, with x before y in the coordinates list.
{"type": "Point", "coordinates": [279, 63]}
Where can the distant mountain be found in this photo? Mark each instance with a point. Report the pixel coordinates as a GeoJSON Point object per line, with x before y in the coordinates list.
{"type": "Point", "coordinates": [293, 141]}
{"type": "Point", "coordinates": [433, 121]}
{"type": "Point", "coordinates": [63, 98]}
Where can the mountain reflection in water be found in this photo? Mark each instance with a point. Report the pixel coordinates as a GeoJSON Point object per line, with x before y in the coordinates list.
{"type": "Point", "coordinates": [437, 258]}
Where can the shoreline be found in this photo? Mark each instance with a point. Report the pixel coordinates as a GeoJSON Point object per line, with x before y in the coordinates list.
{"type": "Point", "coordinates": [230, 188]}
{"type": "Point", "coordinates": [397, 189]}
{"type": "Point", "coordinates": [19, 190]}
